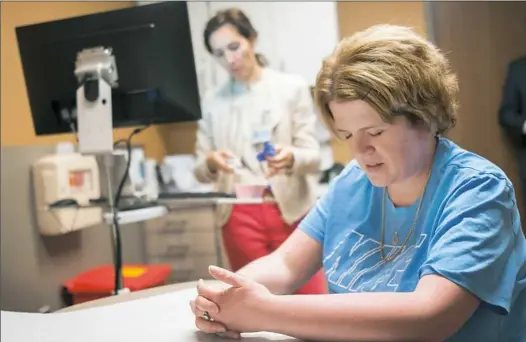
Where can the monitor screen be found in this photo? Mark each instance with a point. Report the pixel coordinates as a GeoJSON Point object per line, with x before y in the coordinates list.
{"type": "Point", "coordinates": [152, 46]}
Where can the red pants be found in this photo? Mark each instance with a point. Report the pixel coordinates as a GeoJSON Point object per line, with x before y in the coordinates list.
{"type": "Point", "coordinates": [256, 230]}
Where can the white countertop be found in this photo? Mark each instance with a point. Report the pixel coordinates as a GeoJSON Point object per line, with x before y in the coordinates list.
{"type": "Point", "coordinates": [137, 215]}
{"type": "Point", "coordinates": [163, 316]}
{"type": "Point", "coordinates": [177, 203]}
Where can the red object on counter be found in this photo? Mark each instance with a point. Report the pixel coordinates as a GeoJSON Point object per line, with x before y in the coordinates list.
{"type": "Point", "coordinates": [99, 282]}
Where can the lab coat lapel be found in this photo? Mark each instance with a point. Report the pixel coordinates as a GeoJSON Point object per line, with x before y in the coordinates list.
{"type": "Point", "coordinates": [267, 110]}
{"type": "Point", "coordinates": [225, 123]}
{"type": "Point", "coordinates": [249, 154]}
{"type": "Point", "coordinates": [234, 130]}
{"type": "Point", "coordinates": [218, 124]}
{"type": "Point", "coordinates": [271, 103]}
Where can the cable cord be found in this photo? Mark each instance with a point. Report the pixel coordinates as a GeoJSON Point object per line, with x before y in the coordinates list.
{"type": "Point", "coordinates": [118, 194]}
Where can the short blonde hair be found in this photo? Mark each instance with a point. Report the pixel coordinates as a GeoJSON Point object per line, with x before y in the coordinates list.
{"type": "Point", "coordinates": [395, 71]}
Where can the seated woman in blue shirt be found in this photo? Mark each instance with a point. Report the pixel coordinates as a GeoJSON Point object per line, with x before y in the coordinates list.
{"type": "Point", "coordinates": [420, 239]}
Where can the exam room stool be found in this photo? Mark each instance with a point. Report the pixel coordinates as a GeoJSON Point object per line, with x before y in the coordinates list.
{"type": "Point", "coordinates": [99, 282]}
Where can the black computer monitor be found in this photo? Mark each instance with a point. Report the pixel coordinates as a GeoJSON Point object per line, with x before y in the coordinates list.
{"type": "Point", "coordinates": [152, 46]}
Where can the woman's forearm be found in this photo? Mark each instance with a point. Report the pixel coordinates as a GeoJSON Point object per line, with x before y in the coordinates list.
{"type": "Point", "coordinates": [351, 317]}
{"type": "Point", "coordinates": [306, 160]}
{"type": "Point", "coordinates": [202, 173]}
{"type": "Point", "coordinates": [272, 272]}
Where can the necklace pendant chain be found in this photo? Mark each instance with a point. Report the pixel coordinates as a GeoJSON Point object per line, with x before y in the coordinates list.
{"type": "Point", "coordinates": [395, 239]}
{"type": "Point", "coordinates": [395, 250]}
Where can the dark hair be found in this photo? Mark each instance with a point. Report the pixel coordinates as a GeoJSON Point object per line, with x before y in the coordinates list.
{"type": "Point", "coordinates": [240, 21]}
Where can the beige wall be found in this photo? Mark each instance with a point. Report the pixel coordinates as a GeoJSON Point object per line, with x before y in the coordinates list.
{"type": "Point", "coordinates": [34, 267]}
{"type": "Point", "coordinates": [481, 38]}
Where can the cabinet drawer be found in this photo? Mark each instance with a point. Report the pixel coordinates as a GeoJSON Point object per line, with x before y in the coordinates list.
{"type": "Point", "coordinates": [180, 244]}
{"type": "Point", "coordinates": [194, 218]}
{"type": "Point", "coordinates": [186, 269]}
{"type": "Point", "coordinates": [181, 276]}
{"type": "Point", "coordinates": [166, 225]}
{"type": "Point", "coordinates": [183, 220]}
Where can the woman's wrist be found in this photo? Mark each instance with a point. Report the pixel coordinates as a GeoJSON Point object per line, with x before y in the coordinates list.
{"type": "Point", "coordinates": [268, 313]}
{"type": "Point", "coordinates": [289, 170]}
{"type": "Point", "coordinates": [210, 165]}
{"type": "Point", "coordinates": [292, 160]}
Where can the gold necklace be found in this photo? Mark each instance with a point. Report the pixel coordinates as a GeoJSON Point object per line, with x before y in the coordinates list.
{"type": "Point", "coordinates": [391, 257]}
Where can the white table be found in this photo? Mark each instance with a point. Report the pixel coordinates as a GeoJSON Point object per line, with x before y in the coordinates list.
{"type": "Point", "coordinates": [160, 314]}
{"type": "Point", "coordinates": [127, 297]}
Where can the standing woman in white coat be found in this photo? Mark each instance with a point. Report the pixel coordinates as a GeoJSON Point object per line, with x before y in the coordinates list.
{"type": "Point", "coordinates": [257, 102]}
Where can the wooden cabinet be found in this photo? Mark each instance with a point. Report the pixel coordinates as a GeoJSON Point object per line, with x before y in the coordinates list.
{"type": "Point", "coordinates": [185, 239]}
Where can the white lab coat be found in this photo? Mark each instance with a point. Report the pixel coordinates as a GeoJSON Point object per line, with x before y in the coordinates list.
{"type": "Point", "coordinates": [229, 114]}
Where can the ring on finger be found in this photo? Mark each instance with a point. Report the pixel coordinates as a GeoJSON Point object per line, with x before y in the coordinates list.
{"type": "Point", "coordinates": [207, 317]}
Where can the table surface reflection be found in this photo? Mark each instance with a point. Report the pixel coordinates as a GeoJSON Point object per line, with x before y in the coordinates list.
{"type": "Point", "coordinates": [185, 329]}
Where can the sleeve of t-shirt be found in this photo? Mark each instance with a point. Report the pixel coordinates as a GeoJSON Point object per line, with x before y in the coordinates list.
{"type": "Point", "coordinates": [474, 242]}
{"type": "Point", "coordinates": [315, 222]}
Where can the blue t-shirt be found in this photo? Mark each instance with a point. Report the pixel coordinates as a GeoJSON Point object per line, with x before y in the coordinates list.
{"type": "Point", "coordinates": [468, 231]}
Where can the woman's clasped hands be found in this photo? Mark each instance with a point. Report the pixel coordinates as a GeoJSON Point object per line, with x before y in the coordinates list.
{"type": "Point", "coordinates": [239, 308]}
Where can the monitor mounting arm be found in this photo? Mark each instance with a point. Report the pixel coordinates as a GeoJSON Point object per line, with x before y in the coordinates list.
{"type": "Point", "coordinates": [96, 73]}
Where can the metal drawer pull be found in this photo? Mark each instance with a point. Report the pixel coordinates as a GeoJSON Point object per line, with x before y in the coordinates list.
{"type": "Point", "coordinates": [174, 227]}
{"type": "Point", "coordinates": [177, 251]}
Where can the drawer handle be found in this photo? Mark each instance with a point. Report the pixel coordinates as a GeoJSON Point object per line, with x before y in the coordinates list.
{"type": "Point", "coordinates": [174, 227]}
{"type": "Point", "coordinates": [177, 251]}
